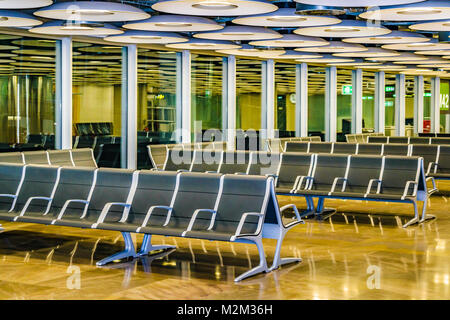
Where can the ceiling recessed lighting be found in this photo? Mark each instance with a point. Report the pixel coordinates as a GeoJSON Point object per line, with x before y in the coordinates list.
{"type": "Point", "coordinates": [395, 37]}
{"type": "Point", "coordinates": [285, 17]}
{"type": "Point", "coordinates": [135, 36]}
{"type": "Point", "coordinates": [174, 23]}
{"type": "Point", "coordinates": [292, 41]}
{"type": "Point", "coordinates": [335, 47]}
{"type": "Point", "coordinates": [371, 52]}
{"type": "Point", "coordinates": [346, 28]}
{"type": "Point", "coordinates": [9, 18]}
{"type": "Point", "coordinates": [76, 28]}
{"type": "Point", "coordinates": [92, 11]}
{"type": "Point", "coordinates": [405, 56]}
{"type": "Point", "coordinates": [425, 10]}
{"type": "Point", "coordinates": [215, 7]}
{"type": "Point", "coordinates": [203, 44]}
{"type": "Point", "coordinates": [418, 46]}
{"type": "Point", "coordinates": [440, 25]}
{"type": "Point", "coordinates": [240, 33]}
{"type": "Point", "coordinates": [24, 4]}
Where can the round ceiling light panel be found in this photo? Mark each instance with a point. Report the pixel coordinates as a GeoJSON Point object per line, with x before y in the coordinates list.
{"type": "Point", "coordinates": [76, 28]}
{"type": "Point", "coordinates": [293, 55]}
{"type": "Point", "coordinates": [285, 17]}
{"type": "Point", "coordinates": [422, 71]}
{"type": "Point", "coordinates": [439, 65]}
{"type": "Point", "coordinates": [335, 47]}
{"type": "Point", "coordinates": [440, 25]}
{"type": "Point", "coordinates": [358, 3]}
{"type": "Point", "coordinates": [328, 58]}
{"type": "Point", "coordinates": [137, 36]}
{"type": "Point", "coordinates": [424, 10]}
{"type": "Point", "coordinates": [203, 44]}
{"type": "Point", "coordinates": [428, 61]}
{"type": "Point", "coordinates": [384, 67]}
{"type": "Point", "coordinates": [24, 4]}
{"type": "Point", "coordinates": [418, 46]}
{"type": "Point", "coordinates": [394, 37]}
{"type": "Point", "coordinates": [433, 52]}
{"type": "Point", "coordinates": [370, 53]}
{"type": "Point", "coordinates": [218, 8]}
{"type": "Point", "coordinates": [92, 11]}
{"type": "Point", "coordinates": [9, 18]}
{"type": "Point", "coordinates": [345, 29]}
{"type": "Point", "coordinates": [247, 51]}
{"type": "Point", "coordinates": [405, 56]}
{"type": "Point", "coordinates": [47, 43]}
{"type": "Point", "coordinates": [174, 23]}
{"type": "Point", "coordinates": [240, 33]}
{"type": "Point", "coordinates": [7, 47]}
{"type": "Point", "coordinates": [292, 40]}
{"type": "Point", "coordinates": [355, 64]}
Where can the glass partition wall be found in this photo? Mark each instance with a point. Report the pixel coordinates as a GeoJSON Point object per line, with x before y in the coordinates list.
{"type": "Point", "coordinates": [344, 103]}
{"type": "Point", "coordinates": [27, 84]}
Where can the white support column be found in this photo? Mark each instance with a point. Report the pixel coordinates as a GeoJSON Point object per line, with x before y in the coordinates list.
{"type": "Point", "coordinates": [184, 96]}
{"type": "Point", "coordinates": [330, 104]}
{"type": "Point", "coordinates": [63, 94]}
{"type": "Point", "coordinates": [129, 107]}
{"type": "Point", "coordinates": [400, 95]}
{"type": "Point", "coordinates": [301, 100]}
{"type": "Point", "coordinates": [268, 100]}
{"type": "Point", "coordinates": [357, 106]}
{"type": "Point", "coordinates": [380, 101]}
{"type": "Point", "coordinates": [435, 108]}
{"type": "Point", "coordinates": [229, 101]}
{"type": "Point", "coordinates": [418, 104]}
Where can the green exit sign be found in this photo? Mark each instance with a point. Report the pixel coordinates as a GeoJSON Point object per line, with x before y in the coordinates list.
{"type": "Point", "coordinates": [389, 88]}
{"type": "Point", "coordinates": [427, 94]}
{"type": "Point", "coordinates": [347, 90]}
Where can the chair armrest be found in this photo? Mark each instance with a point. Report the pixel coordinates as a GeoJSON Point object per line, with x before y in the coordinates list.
{"type": "Point", "coordinates": [432, 166]}
{"type": "Point", "coordinates": [308, 183]}
{"type": "Point", "coordinates": [335, 182]}
{"type": "Point", "coordinates": [369, 187]}
{"type": "Point", "coordinates": [273, 175]}
{"type": "Point", "coordinates": [194, 217]}
{"type": "Point", "coordinates": [433, 181]}
{"type": "Point", "coordinates": [297, 214]}
{"type": "Point", "coordinates": [150, 211]}
{"type": "Point", "coordinates": [407, 186]}
{"type": "Point", "coordinates": [108, 207]}
{"type": "Point", "coordinates": [27, 204]}
{"type": "Point", "coordinates": [66, 205]}
{"type": "Point", "coordinates": [13, 196]}
{"type": "Point", "coordinates": [242, 221]}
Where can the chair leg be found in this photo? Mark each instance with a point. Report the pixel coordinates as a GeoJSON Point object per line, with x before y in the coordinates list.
{"type": "Point", "coordinates": [277, 260]}
{"type": "Point", "coordinates": [416, 217]}
{"type": "Point", "coordinates": [309, 208]}
{"type": "Point", "coordinates": [129, 251]}
{"type": "Point", "coordinates": [425, 216]}
{"type": "Point", "coordinates": [262, 267]}
{"type": "Point", "coordinates": [147, 246]}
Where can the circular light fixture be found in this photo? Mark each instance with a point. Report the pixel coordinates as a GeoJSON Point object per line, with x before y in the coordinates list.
{"type": "Point", "coordinates": [440, 25]}
{"type": "Point", "coordinates": [346, 28]}
{"type": "Point", "coordinates": [219, 8]}
{"type": "Point", "coordinates": [76, 28]}
{"type": "Point", "coordinates": [247, 51]}
{"type": "Point", "coordinates": [433, 52]}
{"type": "Point", "coordinates": [35, 52]}
{"type": "Point", "coordinates": [394, 37]}
{"type": "Point", "coordinates": [46, 43]}
{"type": "Point", "coordinates": [137, 36]}
{"type": "Point", "coordinates": [9, 18]}
{"type": "Point", "coordinates": [24, 4]}
{"type": "Point", "coordinates": [7, 47]}
{"type": "Point", "coordinates": [240, 33]}
{"type": "Point", "coordinates": [384, 67]}
{"type": "Point", "coordinates": [335, 47]}
{"type": "Point", "coordinates": [428, 61]}
{"type": "Point", "coordinates": [355, 64]}
{"type": "Point", "coordinates": [325, 59]}
{"type": "Point", "coordinates": [425, 10]}
{"type": "Point", "coordinates": [422, 71]}
{"type": "Point", "coordinates": [92, 11]}
{"type": "Point", "coordinates": [285, 17]}
{"type": "Point", "coordinates": [353, 3]}
{"type": "Point", "coordinates": [93, 58]}
{"type": "Point", "coordinates": [293, 55]}
{"type": "Point", "coordinates": [405, 56]}
{"type": "Point", "coordinates": [371, 52]}
{"type": "Point", "coordinates": [292, 40]}
{"type": "Point", "coordinates": [438, 65]}
{"type": "Point", "coordinates": [203, 44]}
{"type": "Point", "coordinates": [418, 46]}
{"type": "Point", "coordinates": [174, 23]}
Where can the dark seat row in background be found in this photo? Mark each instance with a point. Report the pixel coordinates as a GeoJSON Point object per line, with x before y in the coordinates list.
{"type": "Point", "coordinates": [216, 207]}
{"type": "Point", "coordinates": [410, 140]}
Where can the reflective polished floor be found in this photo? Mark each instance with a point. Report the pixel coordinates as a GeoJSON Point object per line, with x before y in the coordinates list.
{"type": "Point", "coordinates": [361, 252]}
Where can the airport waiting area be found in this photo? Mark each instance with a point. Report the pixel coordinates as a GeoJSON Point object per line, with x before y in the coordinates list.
{"type": "Point", "coordinates": [225, 150]}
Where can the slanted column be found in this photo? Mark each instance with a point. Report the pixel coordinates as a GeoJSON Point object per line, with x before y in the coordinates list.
{"type": "Point", "coordinates": [330, 104]}
{"type": "Point", "coordinates": [301, 100]}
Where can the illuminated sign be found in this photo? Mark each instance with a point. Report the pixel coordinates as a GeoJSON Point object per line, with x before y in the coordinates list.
{"type": "Point", "coordinates": [347, 90]}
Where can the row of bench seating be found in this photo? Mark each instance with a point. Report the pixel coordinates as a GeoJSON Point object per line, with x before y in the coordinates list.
{"type": "Point", "coordinates": [275, 144]}
{"type": "Point", "coordinates": [217, 207]}
{"type": "Point", "coordinates": [436, 157]}
{"type": "Point", "coordinates": [361, 137]}
{"type": "Point", "coordinates": [434, 135]}
{"type": "Point", "coordinates": [409, 140]}
{"type": "Point", "coordinates": [305, 174]}
{"type": "Point", "coordinates": [75, 158]}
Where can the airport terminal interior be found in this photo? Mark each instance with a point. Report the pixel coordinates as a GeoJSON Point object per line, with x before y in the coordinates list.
{"type": "Point", "coordinates": [225, 149]}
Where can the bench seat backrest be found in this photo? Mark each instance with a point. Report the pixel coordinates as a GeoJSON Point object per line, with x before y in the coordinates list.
{"type": "Point", "coordinates": [178, 159]}
{"type": "Point", "coordinates": [444, 160]}
{"type": "Point", "coordinates": [292, 166]}
{"type": "Point", "coordinates": [400, 140]}
{"type": "Point", "coordinates": [363, 168]}
{"type": "Point", "coordinates": [10, 182]}
{"type": "Point", "coordinates": [157, 154]}
{"type": "Point", "coordinates": [327, 168]}
{"type": "Point", "coordinates": [375, 139]}
{"type": "Point", "coordinates": [12, 157]}
{"type": "Point", "coordinates": [370, 148]}
{"type": "Point", "coordinates": [320, 147]}
{"type": "Point", "coordinates": [428, 152]}
{"type": "Point", "coordinates": [419, 140]}
{"type": "Point", "coordinates": [397, 172]}
{"type": "Point", "coordinates": [36, 157]}
{"type": "Point", "coordinates": [264, 163]}
{"type": "Point", "coordinates": [83, 158]}
{"type": "Point", "coordinates": [206, 160]}
{"type": "Point", "coordinates": [397, 149]}
{"type": "Point", "coordinates": [235, 162]}
{"type": "Point", "coordinates": [296, 147]}
{"type": "Point", "coordinates": [440, 141]}
{"type": "Point", "coordinates": [60, 158]}
{"type": "Point", "coordinates": [344, 148]}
